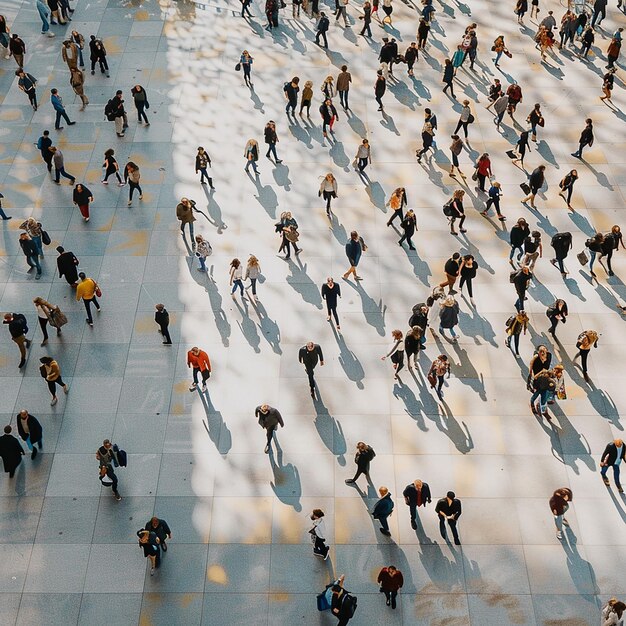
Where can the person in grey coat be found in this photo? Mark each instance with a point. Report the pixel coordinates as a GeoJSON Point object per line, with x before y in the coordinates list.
{"type": "Point", "coordinates": [269, 418]}
{"type": "Point", "coordinates": [449, 316]}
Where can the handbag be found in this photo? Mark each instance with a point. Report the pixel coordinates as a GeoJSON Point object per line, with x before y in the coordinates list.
{"type": "Point", "coordinates": [147, 105]}
{"type": "Point", "coordinates": [45, 238]}
{"type": "Point", "coordinates": [475, 174]}
{"type": "Point", "coordinates": [471, 119]}
{"type": "Point", "coordinates": [98, 291]}
{"type": "Point", "coordinates": [561, 394]}
{"type": "Point", "coordinates": [237, 67]}
{"type": "Point", "coordinates": [582, 258]}
{"type": "Point", "coordinates": [57, 318]}
{"type": "Point", "coordinates": [322, 602]}
{"type": "Point", "coordinates": [432, 378]}
{"type": "Point", "coordinates": [525, 187]}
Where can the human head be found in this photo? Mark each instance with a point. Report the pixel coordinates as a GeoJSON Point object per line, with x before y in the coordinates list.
{"type": "Point", "coordinates": [310, 346]}
{"type": "Point", "coordinates": [82, 275]}
{"type": "Point", "coordinates": [195, 350]}
{"type": "Point", "coordinates": [618, 442]}
{"type": "Point", "coordinates": [317, 514]}
{"type": "Point", "coordinates": [329, 280]}
{"type": "Point", "coordinates": [456, 256]}
{"type": "Point", "coordinates": [354, 235]}
{"type": "Point", "coordinates": [449, 301]}
{"type": "Point", "coordinates": [235, 263]}
{"type": "Point", "coordinates": [23, 413]}
{"type": "Point", "coordinates": [265, 408]}
{"type": "Point", "coordinates": [7, 430]}
{"type": "Point", "coordinates": [118, 92]}
{"type": "Point", "coordinates": [295, 80]}
{"type": "Point", "coordinates": [154, 521]}
{"type": "Point", "coordinates": [396, 334]}
{"type": "Point", "coordinates": [383, 491]}
{"type": "Point", "coordinates": [344, 68]}
{"type": "Point", "coordinates": [417, 483]}
{"type": "Point", "coordinates": [451, 495]}
{"type": "Point", "coordinates": [159, 307]}
{"type": "Point", "coordinates": [54, 92]}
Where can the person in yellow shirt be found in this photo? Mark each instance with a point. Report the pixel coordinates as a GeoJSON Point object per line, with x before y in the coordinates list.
{"type": "Point", "coordinates": [86, 291]}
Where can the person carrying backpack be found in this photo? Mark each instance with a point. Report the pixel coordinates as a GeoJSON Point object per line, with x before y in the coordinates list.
{"type": "Point", "coordinates": [342, 604]}
{"type": "Point", "coordinates": [561, 242]}
{"type": "Point", "coordinates": [515, 325]}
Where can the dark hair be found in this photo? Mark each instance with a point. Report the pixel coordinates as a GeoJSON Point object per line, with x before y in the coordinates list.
{"type": "Point", "coordinates": [118, 92]}
{"type": "Point", "coordinates": [109, 152]}
{"type": "Point", "coordinates": [344, 68]}
{"type": "Point", "coordinates": [82, 275]}
{"type": "Point", "coordinates": [46, 133]}
{"type": "Point", "coordinates": [318, 512]}
{"type": "Point", "coordinates": [451, 495]}
{"type": "Point", "coordinates": [46, 360]}
{"type": "Point", "coordinates": [456, 255]}
{"type": "Point", "coordinates": [60, 249]}
{"type": "Point", "coordinates": [53, 91]}
{"type": "Point", "coordinates": [7, 429]}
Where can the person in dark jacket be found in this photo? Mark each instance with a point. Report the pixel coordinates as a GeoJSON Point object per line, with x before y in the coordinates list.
{"type": "Point", "coordinates": [160, 528]}
{"type": "Point", "coordinates": [556, 313]}
{"type": "Point", "coordinates": [149, 542]}
{"type": "Point", "coordinates": [18, 327]}
{"type": "Point", "coordinates": [520, 281]}
{"type": "Point", "coordinates": [29, 248]}
{"type": "Point", "coordinates": [30, 430]}
{"type": "Point", "coordinates": [422, 33]}
{"type": "Point", "coordinates": [82, 197]}
{"type": "Point", "coordinates": [380, 86]}
{"type": "Point", "coordinates": [419, 317]}
{"type": "Point", "coordinates": [562, 243]}
{"type": "Point", "coordinates": [535, 182]}
{"type": "Point", "coordinates": [559, 503]}
{"type": "Point", "coordinates": [517, 236]}
{"type": "Point", "coordinates": [613, 455]}
{"type": "Point", "coordinates": [67, 265]}
{"type": "Point", "coordinates": [354, 249]}
{"type": "Point", "coordinates": [448, 77]}
{"type": "Point", "coordinates": [468, 273]}
{"type": "Point", "coordinates": [412, 345]}
{"type": "Point", "coordinates": [162, 318]}
{"type": "Point", "coordinates": [310, 355]}
{"type": "Point", "coordinates": [43, 145]}
{"type": "Point", "coordinates": [11, 451]}
{"type": "Point", "coordinates": [610, 243]}
{"type": "Point", "coordinates": [329, 115]}
{"type": "Point", "coordinates": [567, 187]}
{"type": "Point", "coordinates": [409, 226]}
{"type": "Point", "coordinates": [98, 54]}
{"type": "Point", "coordinates": [362, 458]}
{"type": "Point", "coordinates": [322, 29]}
{"type": "Point", "coordinates": [586, 138]}
{"type": "Point", "coordinates": [415, 495]}
{"type": "Point", "coordinates": [391, 581]}
{"type": "Point", "coordinates": [269, 418]}
{"type": "Point", "coordinates": [367, 20]}
{"type": "Point", "coordinates": [203, 160]}
{"type": "Point", "coordinates": [27, 83]}
{"type": "Point", "coordinates": [594, 244]}
{"type": "Point", "coordinates": [141, 103]}
{"type": "Point", "coordinates": [449, 510]}
{"type": "Point", "coordinates": [383, 509]}
{"type": "Point", "coordinates": [271, 139]}
{"type": "Point", "coordinates": [330, 292]}
{"type": "Point", "coordinates": [411, 55]}
{"type": "Point", "coordinates": [17, 48]}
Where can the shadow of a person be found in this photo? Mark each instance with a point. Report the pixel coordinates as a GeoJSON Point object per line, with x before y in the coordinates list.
{"type": "Point", "coordinates": [286, 484]}
{"type": "Point", "coordinates": [215, 426]}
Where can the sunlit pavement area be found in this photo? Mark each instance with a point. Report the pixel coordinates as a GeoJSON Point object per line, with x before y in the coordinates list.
{"type": "Point", "coordinates": [240, 552]}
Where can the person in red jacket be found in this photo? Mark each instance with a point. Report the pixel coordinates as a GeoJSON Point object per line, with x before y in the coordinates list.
{"type": "Point", "coordinates": [198, 360]}
{"type": "Point", "coordinates": [390, 580]}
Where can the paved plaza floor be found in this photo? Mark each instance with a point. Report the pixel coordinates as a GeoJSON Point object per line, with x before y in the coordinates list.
{"type": "Point", "coordinates": [240, 552]}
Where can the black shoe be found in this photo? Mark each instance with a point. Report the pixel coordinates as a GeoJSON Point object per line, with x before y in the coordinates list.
{"type": "Point", "coordinates": [385, 532]}
{"type": "Point", "coordinates": [388, 602]}
{"type": "Point", "coordinates": [33, 454]}
{"type": "Point", "coordinates": [164, 547]}
{"type": "Point", "coordinates": [21, 364]}
{"type": "Point", "coordinates": [71, 123]}
{"type": "Point", "coordinates": [457, 542]}
{"type": "Point", "coordinates": [413, 524]}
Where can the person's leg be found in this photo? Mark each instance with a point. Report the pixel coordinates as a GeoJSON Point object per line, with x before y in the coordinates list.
{"type": "Point", "coordinates": [334, 312]}
{"type": "Point", "coordinates": [57, 120]}
{"type": "Point", "coordinates": [87, 304]}
{"type": "Point", "coordinates": [194, 372]}
{"type": "Point", "coordinates": [393, 594]}
{"type": "Point", "coordinates": [52, 387]}
{"type": "Point", "coordinates": [455, 534]}
{"type": "Point", "coordinates": [384, 524]}
{"type": "Point", "coordinates": [43, 323]}
{"type": "Point", "coordinates": [442, 528]}
{"type": "Point", "coordinates": [584, 354]}
{"type": "Point", "coordinates": [309, 373]}
{"type": "Point", "coordinates": [558, 522]}
{"type": "Point", "coordinates": [65, 117]}
{"type": "Point", "coordinates": [440, 381]}
{"type": "Point", "coordinates": [166, 334]}
{"type": "Point", "coordinates": [616, 477]}
{"type": "Point", "coordinates": [516, 343]}
{"type": "Point", "coordinates": [35, 261]}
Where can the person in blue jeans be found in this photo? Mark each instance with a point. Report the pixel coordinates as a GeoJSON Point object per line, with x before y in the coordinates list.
{"type": "Point", "coordinates": [543, 385]}
{"type": "Point", "coordinates": [594, 245]}
{"type": "Point", "coordinates": [57, 103]}
{"type": "Point", "coordinates": [613, 455]}
{"type": "Point", "coordinates": [31, 253]}
{"type": "Point", "coordinates": [30, 430]}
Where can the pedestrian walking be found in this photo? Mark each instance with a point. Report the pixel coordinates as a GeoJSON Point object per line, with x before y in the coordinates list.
{"type": "Point", "coordinates": [613, 455]}
{"type": "Point", "coordinates": [483, 170]}
{"type": "Point", "coordinates": [613, 611]}
{"type": "Point", "coordinates": [449, 317]}
{"type": "Point", "coordinates": [396, 353]}
{"type": "Point", "coordinates": [59, 108]}
{"type": "Point", "coordinates": [87, 290]}
{"type": "Point", "coordinates": [251, 154]}
{"type": "Point", "coordinates": [322, 28]}
{"type": "Point", "coordinates": [328, 88]}
{"type": "Point", "coordinates": [467, 274]}
{"type": "Point", "coordinates": [517, 236]}
{"type": "Point", "coordinates": [499, 47]}
{"type": "Point", "coordinates": [77, 81]}
{"type": "Point", "coordinates": [27, 83]}
{"type": "Point", "coordinates": [114, 111]}
{"type": "Point", "coordinates": [521, 279]}
{"type": "Point", "coordinates": [288, 229]}
{"type": "Point", "coordinates": [67, 264]}
{"type": "Point", "coordinates": [11, 451]}
{"type": "Point", "coordinates": [307, 97]}
{"type": "Point", "coordinates": [43, 145]}
{"type": "Point", "coordinates": [328, 190]}
{"type": "Point", "coordinates": [607, 86]}
{"type": "Point", "coordinates": [271, 139]}
{"type": "Point", "coordinates": [521, 147]}
{"type": "Point", "coordinates": [59, 166]}
{"type": "Point", "coordinates": [559, 504]}
{"type": "Point", "coordinates": [161, 529]}
{"type": "Point", "coordinates": [79, 40]}
{"type": "Point", "coordinates": [141, 103]}
{"type": "Point", "coordinates": [397, 202]}
{"type": "Point", "coordinates": [409, 226]}
{"type": "Point", "coordinates": [456, 147]}
{"type": "Point", "coordinates": [380, 86]}
{"type": "Point", "coordinates": [108, 478]}
{"type": "Point", "coordinates": [30, 430]}
{"type": "Point", "coordinates": [521, 8]}
{"type": "Point", "coordinates": [586, 340]}
{"type": "Point", "coordinates": [586, 138]}
{"type": "Point", "coordinates": [198, 361]}
{"type": "Point", "coordinates": [535, 119]}
{"type": "Point", "coordinates": [235, 278]}
{"type": "Point", "coordinates": [269, 419]}
{"type": "Point", "coordinates": [98, 54]}
{"type": "Point", "coordinates": [411, 55]}
{"type": "Point", "coordinates": [556, 313]}
{"type": "Point", "coordinates": [363, 457]}
{"type": "Point", "coordinates": [382, 510]}
{"type": "Point", "coordinates": [355, 247]}
{"type": "Point", "coordinates": [448, 78]}
{"type": "Point", "coordinates": [451, 269]}
{"type": "Point", "coordinates": [253, 272]}
{"type": "Point", "coordinates": [31, 252]}
{"type": "Point", "coordinates": [246, 61]}
{"type": "Point", "coordinates": [69, 54]}
{"type": "Point", "coordinates": [329, 116]}
{"type": "Point", "coordinates": [344, 78]}
{"type": "Point", "coordinates": [343, 604]}
{"type": "Point", "coordinates": [457, 211]}
{"type": "Point", "coordinates": [44, 15]}
{"type": "Point", "coordinates": [562, 244]}
{"type": "Point", "coordinates": [465, 119]}
{"type": "Point", "coordinates": [111, 166]}
{"type": "Point", "coordinates": [149, 543]}
{"type": "Point", "coordinates": [363, 157]}
{"type": "Point", "coordinates": [310, 355]}
{"type": "Point", "coordinates": [330, 292]}
{"type": "Point", "coordinates": [533, 250]}
{"type": "Point", "coordinates": [428, 135]}
{"type": "Point", "coordinates": [184, 214]}
{"type": "Point", "coordinates": [422, 32]}
{"type": "Point", "coordinates": [291, 89]}
{"type": "Point", "coordinates": [367, 20]}
{"type": "Point", "coordinates": [203, 250]}
{"type": "Point", "coordinates": [35, 231]}
{"type": "Point", "coordinates": [412, 345]}
{"type": "Point", "coordinates": [132, 176]}
{"type": "Point", "coordinates": [51, 371]}
{"type": "Point", "coordinates": [493, 199]}
{"type": "Point", "coordinates": [391, 581]}
{"type": "Point", "coordinates": [48, 314]}
{"type": "Point", "coordinates": [535, 183]}
{"type": "Point", "coordinates": [318, 534]}
{"type": "Point", "coordinates": [17, 49]}
{"type": "Point", "coordinates": [567, 186]}
{"type": "Point", "coordinates": [162, 318]}
{"type": "Point", "coordinates": [203, 160]}
{"type": "Point", "coordinates": [449, 510]}
{"type": "Point", "coordinates": [515, 326]}
{"type": "Point", "coordinates": [416, 494]}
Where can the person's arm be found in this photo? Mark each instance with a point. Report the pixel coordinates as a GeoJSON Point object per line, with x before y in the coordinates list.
{"type": "Point", "coordinates": [393, 350]}
{"type": "Point", "coordinates": [320, 354]}
{"type": "Point", "coordinates": [279, 417]}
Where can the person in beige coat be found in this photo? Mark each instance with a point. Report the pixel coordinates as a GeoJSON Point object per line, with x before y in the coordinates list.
{"type": "Point", "coordinates": [343, 86]}
{"type": "Point", "coordinates": [184, 213]}
{"type": "Point", "coordinates": [77, 80]}
{"type": "Point", "coordinates": [69, 52]}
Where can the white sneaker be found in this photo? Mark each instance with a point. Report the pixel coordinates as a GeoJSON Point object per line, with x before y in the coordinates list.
{"type": "Point", "coordinates": [54, 401]}
{"type": "Point", "coordinates": [193, 387]}
{"type": "Point", "coordinates": [203, 387]}
{"type": "Point", "coordinates": [559, 534]}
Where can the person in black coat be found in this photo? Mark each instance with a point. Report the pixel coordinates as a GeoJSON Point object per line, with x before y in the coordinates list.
{"type": "Point", "coordinates": [535, 182]}
{"type": "Point", "coordinates": [556, 313]}
{"type": "Point", "coordinates": [162, 318]}
{"type": "Point", "coordinates": [562, 243]}
{"type": "Point", "coordinates": [329, 115]}
{"type": "Point", "coordinates": [412, 345]}
{"type": "Point", "coordinates": [586, 138]}
{"type": "Point", "coordinates": [517, 236]}
{"type": "Point", "coordinates": [383, 509]}
{"type": "Point", "coordinates": [362, 458]}
{"type": "Point", "coordinates": [30, 431]}
{"type": "Point", "coordinates": [520, 281]}
{"type": "Point", "coordinates": [613, 455]}
{"type": "Point", "coordinates": [330, 292]}
{"type": "Point", "coordinates": [160, 528]}
{"type": "Point", "coordinates": [415, 495]}
{"type": "Point", "coordinates": [409, 226]}
{"type": "Point", "coordinates": [31, 252]}
{"type": "Point", "coordinates": [322, 29]}
{"type": "Point", "coordinates": [379, 88]}
{"type": "Point", "coordinates": [448, 77]}
{"type": "Point", "coordinates": [98, 54]}
{"type": "Point", "coordinates": [67, 265]}
{"type": "Point", "coordinates": [449, 510]}
{"type": "Point", "coordinates": [271, 139]}
{"type": "Point", "coordinates": [310, 355]}
{"type": "Point", "coordinates": [11, 451]}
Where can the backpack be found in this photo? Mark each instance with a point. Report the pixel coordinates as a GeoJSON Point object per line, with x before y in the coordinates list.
{"type": "Point", "coordinates": [122, 457]}
{"type": "Point", "coordinates": [561, 242]}
{"type": "Point", "coordinates": [509, 322]}
{"type": "Point", "coordinates": [45, 237]}
{"type": "Point", "coordinates": [285, 87]}
{"type": "Point", "coordinates": [348, 606]}
{"type": "Point", "coordinates": [22, 318]}
{"type": "Point", "coordinates": [109, 110]}
{"type": "Point", "coordinates": [447, 208]}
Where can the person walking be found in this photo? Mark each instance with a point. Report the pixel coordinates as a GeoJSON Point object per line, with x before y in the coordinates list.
{"type": "Point", "coordinates": [328, 88]}
{"type": "Point", "coordinates": [3, 215]}
{"type": "Point", "coordinates": [468, 273]}
{"type": "Point", "coordinates": [87, 290]}
{"type": "Point", "coordinates": [184, 214]}
{"type": "Point", "coordinates": [11, 451]}
{"type": "Point", "coordinates": [363, 457]}
{"type": "Point", "coordinates": [494, 194]}
{"type": "Point", "coordinates": [567, 186]}
{"type": "Point", "coordinates": [535, 119]}
{"type": "Point", "coordinates": [586, 138]}
{"type": "Point", "coordinates": [465, 119]}
{"type": "Point", "coordinates": [397, 202]}
{"type": "Point", "coordinates": [44, 14]}
{"type": "Point", "coordinates": [329, 116]}
{"type": "Point", "coordinates": [69, 54]}
{"type": "Point", "coordinates": [140, 99]}
{"type": "Point", "coordinates": [380, 86]}
{"type": "Point", "coordinates": [114, 111]}
{"type": "Point", "coordinates": [556, 313]}
{"type": "Point", "coordinates": [422, 32]}
{"type": "Point", "coordinates": [306, 98]}
{"type": "Point", "coordinates": [613, 455]}
{"type": "Point", "coordinates": [456, 147]}
{"type": "Point", "coordinates": [27, 83]}
{"type": "Point", "coordinates": [52, 372]}
{"type": "Point", "coordinates": [66, 264]}
{"type": "Point", "coordinates": [48, 313]}
{"type": "Point", "coordinates": [18, 329]}
{"type": "Point", "coordinates": [269, 418]}
{"type": "Point", "coordinates": [17, 49]}
{"type": "Point", "coordinates": [108, 478]}
{"type": "Point", "coordinates": [448, 78]}
{"type": "Point", "coordinates": [318, 534]}
{"type": "Point", "coordinates": [59, 167]}
{"type": "Point", "coordinates": [559, 504]}
{"type": "Point", "coordinates": [449, 317]}
{"type": "Point", "coordinates": [412, 345]}
{"type": "Point", "coordinates": [416, 494]}
{"type": "Point", "coordinates": [111, 166]}
{"type": "Point", "coordinates": [132, 176]}
{"type": "Point", "coordinates": [515, 325]}
{"type": "Point", "coordinates": [162, 318]}
{"type": "Point", "coordinates": [310, 355]}
{"type": "Point", "coordinates": [77, 81]}
{"type": "Point", "coordinates": [43, 145]}
{"type": "Point", "coordinates": [409, 226]}
{"type": "Point", "coordinates": [328, 190]}
{"type": "Point", "coordinates": [235, 278]}
{"type": "Point", "coordinates": [291, 89]}
{"type": "Point", "coordinates": [253, 272]}
{"type": "Point", "coordinates": [382, 510]}
{"type": "Point", "coordinates": [363, 157]}
{"type": "Point", "coordinates": [391, 581]}
{"type": "Point", "coordinates": [411, 56]}
{"type": "Point", "coordinates": [271, 139]}
{"type": "Point", "coordinates": [59, 108]}
{"type": "Point", "coordinates": [355, 246]}
{"type": "Point", "coordinates": [458, 212]}
{"type": "Point", "coordinates": [251, 154]}
{"type": "Point", "coordinates": [79, 40]}
{"type": "Point", "coordinates": [517, 236]}
{"type": "Point", "coordinates": [161, 529]}
{"type": "Point", "coordinates": [521, 147]}
{"type": "Point", "coordinates": [483, 170]}
{"type": "Point", "coordinates": [521, 279]}
{"type": "Point", "coordinates": [607, 86]}
{"type": "Point", "coordinates": [561, 243]}
{"type": "Point", "coordinates": [203, 250]}
{"type": "Point", "coordinates": [330, 292]}
{"type": "Point", "coordinates": [198, 361]}
{"type": "Point", "coordinates": [82, 197]}
{"type": "Point", "coordinates": [344, 78]}
{"type": "Point", "coordinates": [533, 250]}
{"type": "Point", "coordinates": [98, 54]}
{"type": "Point", "coordinates": [149, 543]}
{"type": "Point", "coordinates": [30, 430]}
{"type": "Point", "coordinates": [34, 230]}
{"type": "Point", "coordinates": [31, 252]}
{"type": "Point", "coordinates": [449, 510]}
{"type": "Point", "coordinates": [613, 611]}
{"type": "Point", "coordinates": [246, 61]}
{"type": "Point", "coordinates": [586, 340]}
{"type": "Point", "coordinates": [428, 135]}
{"type": "Point", "coordinates": [288, 229]}
{"type": "Point", "coordinates": [367, 19]}
{"type": "Point", "coordinates": [203, 160]}
{"type": "Point", "coordinates": [322, 28]}
{"type": "Point", "coordinates": [396, 353]}
{"type": "Point", "coordinates": [451, 270]}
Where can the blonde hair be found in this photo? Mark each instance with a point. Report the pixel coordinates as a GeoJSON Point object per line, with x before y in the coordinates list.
{"type": "Point", "coordinates": [253, 261]}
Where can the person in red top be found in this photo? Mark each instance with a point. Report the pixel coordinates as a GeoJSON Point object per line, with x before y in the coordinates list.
{"type": "Point", "coordinates": [390, 580]}
{"type": "Point", "coordinates": [199, 361]}
{"type": "Point", "coordinates": [483, 169]}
